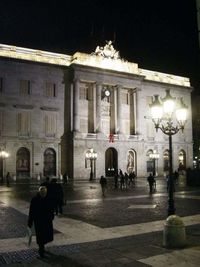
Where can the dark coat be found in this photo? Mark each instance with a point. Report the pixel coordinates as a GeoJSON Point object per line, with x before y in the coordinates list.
{"type": "Point", "coordinates": [41, 214]}
{"type": "Point", "coordinates": [151, 179]}
{"type": "Point", "coordinates": [103, 181]}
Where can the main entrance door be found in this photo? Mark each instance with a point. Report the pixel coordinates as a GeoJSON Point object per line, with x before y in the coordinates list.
{"type": "Point", "coordinates": [111, 162]}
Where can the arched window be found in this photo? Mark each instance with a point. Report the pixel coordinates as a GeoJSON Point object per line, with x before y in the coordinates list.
{"type": "Point", "coordinates": [49, 162]}
{"type": "Point", "coordinates": [166, 160]}
{"type": "Point", "coordinates": [150, 162]}
{"type": "Point", "coordinates": [182, 160]}
{"type": "Point", "coordinates": [23, 163]}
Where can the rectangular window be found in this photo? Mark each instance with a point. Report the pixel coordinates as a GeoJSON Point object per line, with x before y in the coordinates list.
{"type": "Point", "coordinates": [50, 125]}
{"type": "Point", "coordinates": [125, 97]}
{"type": "Point", "coordinates": [1, 85]}
{"type": "Point", "coordinates": [24, 124]}
{"type": "Point", "coordinates": [50, 89]}
{"type": "Point", "coordinates": [25, 87]}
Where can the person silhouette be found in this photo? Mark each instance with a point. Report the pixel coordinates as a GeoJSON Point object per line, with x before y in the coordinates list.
{"type": "Point", "coordinates": [41, 214]}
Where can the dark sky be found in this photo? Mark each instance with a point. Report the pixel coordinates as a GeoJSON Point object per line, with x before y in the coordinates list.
{"type": "Point", "coordinates": [158, 35]}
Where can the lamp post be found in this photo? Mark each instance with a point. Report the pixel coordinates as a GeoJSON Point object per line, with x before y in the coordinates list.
{"type": "Point", "coordinates": [3, 155]}
{"type": "Point", "coordinates": [92, 156]}
{"type": "Point", "coordinates": [162, 111]}
{"type": "Point", "coordinates": [155, 156]}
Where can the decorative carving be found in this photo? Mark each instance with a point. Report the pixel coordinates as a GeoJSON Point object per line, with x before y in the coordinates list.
{"type": "Point", "coordinates": [105, 110]}
{"type": "Point", "coordinates": [107, 51]}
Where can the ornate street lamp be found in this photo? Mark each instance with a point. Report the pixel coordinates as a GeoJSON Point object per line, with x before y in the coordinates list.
{"type": "Point", "coordinates": [3, 155]}
{"type": "Point", "coordinates": [92, 156]}
{"type": "Point", "coordinates": [154, 156]}
{"type": "Point", "coordinates": [162, 111]}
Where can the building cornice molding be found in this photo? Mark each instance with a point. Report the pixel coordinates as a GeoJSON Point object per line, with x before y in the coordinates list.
{"type": "Point", "coordinates": [106, 58]}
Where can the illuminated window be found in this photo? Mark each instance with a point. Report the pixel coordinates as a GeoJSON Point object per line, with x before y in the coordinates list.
{"type": "Point", "coordinates": [50, 89]}
{"type": "Point", "coordinates": [25, 87]}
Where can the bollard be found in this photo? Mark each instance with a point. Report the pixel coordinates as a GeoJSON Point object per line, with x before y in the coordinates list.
{"type": "Point", "coordinates": [174, 232]}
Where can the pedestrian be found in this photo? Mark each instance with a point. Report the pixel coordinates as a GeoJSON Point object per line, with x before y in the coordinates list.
{"type": "Point", "coordinates": [126, 178]}
{"type": "Point", "coordinates": [103, 183]}
{"type": "Point", "coordinates": [65, 178]}
{"type": "Point", "coordinates": [132, 177]}
{"type": "Point", "coordinates": [122, 179]}
{"type": "Point", "coordinates": [151, 182]}
{"type": "Point", "coordinates": [116, 180]}
{"type": "Point", "coordinates": [176, 176]}
{"type": "Point", "coordinates": [8, 177]}
{"type": "Point", "coordinates": [41, 215]}
{"type": "Point", "coordinates": [56, 195]}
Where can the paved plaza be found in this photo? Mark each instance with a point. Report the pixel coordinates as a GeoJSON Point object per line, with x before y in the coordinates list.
{"type": "Point", "coordinates": [125, 228]}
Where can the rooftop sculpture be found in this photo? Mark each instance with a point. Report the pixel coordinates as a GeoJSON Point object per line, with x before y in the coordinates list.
{"type": "Point", "coordinates": [107, 51]}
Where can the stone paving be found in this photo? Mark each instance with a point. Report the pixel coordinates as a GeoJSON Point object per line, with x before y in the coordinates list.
{"type": "Point", "coordinates": [122, 229]}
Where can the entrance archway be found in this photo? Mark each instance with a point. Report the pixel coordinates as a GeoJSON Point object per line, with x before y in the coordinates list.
{"type": "Point", "coordinates": [111, 162]}
{"type": "Point", "coordinates": [49, 162]}
{"type": "Point", "coordinates": [23, 163]}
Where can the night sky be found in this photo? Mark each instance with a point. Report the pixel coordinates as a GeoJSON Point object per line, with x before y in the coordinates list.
{"type": "Point", "coordinates": [158, 35]}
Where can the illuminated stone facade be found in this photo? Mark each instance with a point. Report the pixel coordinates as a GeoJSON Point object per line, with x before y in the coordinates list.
{"type": "Point", "coordinates": [55, 107]}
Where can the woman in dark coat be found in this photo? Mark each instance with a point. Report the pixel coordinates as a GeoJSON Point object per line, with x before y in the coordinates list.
{"type": "Point", "coordinates": [41, 214]}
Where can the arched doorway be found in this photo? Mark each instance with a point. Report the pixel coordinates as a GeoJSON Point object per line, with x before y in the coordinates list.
{"type": "Point", "coordinates": [131, 161]}
{"type": "Point", "coordinates": [23, 163]}
{"type": "Point", "coordinates": [49, 162]}
{"type": "Point", "coordinates": [111, 161]}
{"type": "Point", "coordinates": [182, 160]}
{"type": "Point", "coordinates": [166, 160]}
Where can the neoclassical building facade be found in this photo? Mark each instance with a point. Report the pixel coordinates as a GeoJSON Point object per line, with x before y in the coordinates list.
{"type": "Point", "coordinates": [84, 113]}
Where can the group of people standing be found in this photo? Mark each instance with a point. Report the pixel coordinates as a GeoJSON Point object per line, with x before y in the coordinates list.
{"type": "Point", "coordinates": [124, 180]}
{"type": "Point", "coordinates": [44, 206]}
{"type": "Point", "coordinates": [121, 180]}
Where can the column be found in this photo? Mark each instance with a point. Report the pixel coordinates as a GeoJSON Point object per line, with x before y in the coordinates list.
{"type": "Point", "coordinates": [134, 113]}
{"type": "Point", "coordinates": [98, 108]}
{"type": "Point", "coordinates": [119, 110]}
{"type": "Point", "coordinates": [76, 122]}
